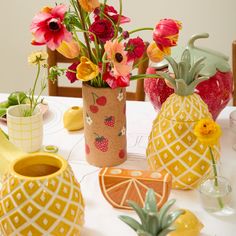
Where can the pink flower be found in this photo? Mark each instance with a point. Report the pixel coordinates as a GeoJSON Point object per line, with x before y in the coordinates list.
{"type": "Point", "coordinates": [116, 54]}
{"type": "Point", "coordinates": [166, 33]}
{"type": "Point", "coordinates": [47, 27]}
{"type": "Point", "coordinates": [135, 48]}
{"type": "Point", "coordinates": [72, 75]}
{"type": "Point", "coordinates": [112, 14]}
{"type": "Point", "coordinates": [103, 29]}
{"type": "Point", "coordinates": [116, 81]}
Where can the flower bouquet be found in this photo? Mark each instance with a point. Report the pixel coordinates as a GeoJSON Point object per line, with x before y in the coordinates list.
{"type": "Point", "coordinates": [104, 55]}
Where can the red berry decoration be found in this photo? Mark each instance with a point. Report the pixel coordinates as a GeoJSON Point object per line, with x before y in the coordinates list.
{"type": "Point", "coordinates": [87, 149]}
{"type": "Point", "coordinates": [101, 101]}
{"type": "Point", "coordinates": [121, 154]}
{"type": "Point", "coordinates": [110, 121]}
{"type": "Point", "coordinates": [101, 143]}
{"type": "Point", "coordinates": [93, 109]}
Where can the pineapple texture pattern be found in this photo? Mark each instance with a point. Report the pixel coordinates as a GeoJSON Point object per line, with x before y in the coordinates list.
{"type": "Point", "coordinates": [42, 207]}
{"type": "Point", "coordinates": [173, 146]}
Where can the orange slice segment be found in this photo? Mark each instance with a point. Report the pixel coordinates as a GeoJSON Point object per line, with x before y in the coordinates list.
{"type": "Point", "coordinates": [119, 185]}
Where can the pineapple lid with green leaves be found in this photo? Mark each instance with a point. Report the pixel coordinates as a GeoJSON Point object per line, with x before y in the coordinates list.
{"type": "Point", "coordinates": [184, 105]}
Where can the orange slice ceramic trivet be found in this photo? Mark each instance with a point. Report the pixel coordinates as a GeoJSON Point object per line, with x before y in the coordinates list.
{"type": "Point", "coordinates": [119, 185]}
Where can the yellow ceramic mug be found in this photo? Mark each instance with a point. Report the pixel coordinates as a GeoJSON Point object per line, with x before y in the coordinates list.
{"type": "Point", "coordinates": [40, 196]}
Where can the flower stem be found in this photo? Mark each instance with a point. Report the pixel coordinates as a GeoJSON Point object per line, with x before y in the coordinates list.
{"type": "Point", "coordinates": [216, 183]}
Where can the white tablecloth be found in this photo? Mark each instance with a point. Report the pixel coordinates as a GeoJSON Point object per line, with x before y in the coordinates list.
{"type": "Point", "coordinates": [100, 217]}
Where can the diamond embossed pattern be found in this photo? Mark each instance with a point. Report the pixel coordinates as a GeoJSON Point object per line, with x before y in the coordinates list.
{"type": "Point", "coordinates": [173, 146]}
{"type": "Point", "coordinates": [42, 207]}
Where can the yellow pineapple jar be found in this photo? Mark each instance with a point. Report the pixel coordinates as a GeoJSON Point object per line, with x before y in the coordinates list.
{"type": "Point", "coordinates": [40, 196]}
{"type": "Point", "coordinates": [172, 144]}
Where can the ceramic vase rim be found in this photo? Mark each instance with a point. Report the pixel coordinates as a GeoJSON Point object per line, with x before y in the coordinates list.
{"type": "Point", "coordinates": [37, 111]}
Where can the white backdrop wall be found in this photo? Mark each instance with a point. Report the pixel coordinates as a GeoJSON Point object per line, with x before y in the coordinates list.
{"type": "Point", "coordinates": [216, 17]}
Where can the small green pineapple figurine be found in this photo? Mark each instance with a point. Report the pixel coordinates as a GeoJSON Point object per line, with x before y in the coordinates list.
{"type": "Point", "coordinates": [153, 222]}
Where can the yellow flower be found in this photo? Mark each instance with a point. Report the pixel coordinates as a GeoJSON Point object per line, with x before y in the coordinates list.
{"type": "Point", "coordinates": [86, 70]}
{"type": "Point", "coordinates": [207, 131]}
{"type": "Point", "coordinates": [89, 5]}
{"type": "Point", "coordinates": [155, 54]}
{"type": "Point", "coordinates": [37, 57]}
{"type": "Point", "coordinates": [69, 49]}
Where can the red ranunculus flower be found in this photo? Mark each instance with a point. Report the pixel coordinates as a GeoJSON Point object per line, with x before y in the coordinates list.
{"type": "Point", "coordinates": [103, 29]}
{"type": "Point", "coordinates": [112, 14]}
{"type": "Point", "coordinates": [166, 33]}
{"type": "Point", "coordinates": [72, 75]}
{"type": "Point", "coordinates": [116, 81]}
{"type": "Point", "coordinates": [135, 48]}
{"type": "Point", "coordinates": [47, 27]}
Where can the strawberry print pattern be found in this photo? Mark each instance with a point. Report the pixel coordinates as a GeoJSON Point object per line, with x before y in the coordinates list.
{"type": "Point", "coordinates": [101, 143]}
{"type": "Point", "coordinates": [110, 121]}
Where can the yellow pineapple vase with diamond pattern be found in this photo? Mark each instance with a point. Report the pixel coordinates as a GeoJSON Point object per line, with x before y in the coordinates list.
{"type": "Point", "coordinates": [172, 144]}
{"type": "Point", "coordinates": [40, 196]}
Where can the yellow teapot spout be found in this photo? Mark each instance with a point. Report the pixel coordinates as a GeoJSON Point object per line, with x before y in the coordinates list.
{"type": "Point", "coordinates": [8, 153]}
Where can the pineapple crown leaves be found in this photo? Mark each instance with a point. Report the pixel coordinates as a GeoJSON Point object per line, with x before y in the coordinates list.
{"type": "Point", "coordinates": [186, 74]}
{"type": "Point", "coordinates": [152, 222]}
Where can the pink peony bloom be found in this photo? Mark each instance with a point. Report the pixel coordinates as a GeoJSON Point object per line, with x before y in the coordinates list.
{"type": "Point", "coordinates": [112, 14]}
{"type": "Point", "coordinates": [72, 75]}
{"type": "Point", "coordinates": [116, 81]}
{"type": "Point", "coordinates": [166, 33]}
{"type": "Point", "coordinates": [135, 48]}
{"type": "Point", "coordinates": [47, 27]}
{"type": "Point", "coordinates": [103, 29]}
{"type": "Point", "coordinates": [117, 55]}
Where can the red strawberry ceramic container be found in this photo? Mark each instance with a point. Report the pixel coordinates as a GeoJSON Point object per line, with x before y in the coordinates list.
{"type": "Point", "coordinates": [216, 92]}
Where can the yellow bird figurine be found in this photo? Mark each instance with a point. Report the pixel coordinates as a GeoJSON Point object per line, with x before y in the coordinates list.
{"type": "Point", "coordinates": [187, 225]}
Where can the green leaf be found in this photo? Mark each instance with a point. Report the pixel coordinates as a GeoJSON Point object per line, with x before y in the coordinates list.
{"type": "Point", "coordinates": [164, 211]}
{"type": "Point", "coordinates": [144, 233]}
{"type": "Point", "coordinates": [3, 111]}
{"type": "Point", "coordinates": [174, 65]}
{"type": "Point", "coordinates": [140, 212]}
{"type": "Point", "coordinates": [167, 77]}
{"type": "Point", "coordinates": [150, 201]}
{"type": "Point", "coordinates": [166, 231]}
{"type": "Point", "coordinates": [186, 57]}
{"type": "Point", "coordinates": [134, 224]}
{"type": "Point", "coordinates": [170, 219]}
{"type": "Point", "coordinates": [153, 223]}
{"type": "Point", "coordinates": [195, 67]}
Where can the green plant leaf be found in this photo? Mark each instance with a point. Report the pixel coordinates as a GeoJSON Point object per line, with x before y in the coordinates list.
{"type": "Point", "coordinates": [153, 223]}
{"type": "Point", "coordinates": [3, 111]}
{"type": "Point", "coordinates": [134, 224]}
{"type": "Point", "coordinates": [166, 231]}
{"type": "Point", "coordinates": [170, 219]}
{"type": "Point", "coordinates": [167, 77]}
{"type": "Point", "coordinates": [141, 213]}
{"type": "Point", "coordinates": [174, 65]}
{"type": "Point", "coordinates": [144, 233]}
{"type": "Point", "coordinates": [186, 57]}
{"type": "Point", "coordinates": [164, 211]}
{"type": "Point", "coordinates": [150, 201]}
{"type": "Point", "coordinates": [194, 68]}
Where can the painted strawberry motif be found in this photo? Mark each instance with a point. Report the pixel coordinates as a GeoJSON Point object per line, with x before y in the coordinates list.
{"type": "Point", "coordinates": [101, 143]}
{"type": "Point", "coordinates": [101, 101]}
{"type": "Point", "coordinates": [93, 108]}
{"type": "Point", "coordinates": [121, 154]}
{"type": "Point", "coordinates": [110, 121]}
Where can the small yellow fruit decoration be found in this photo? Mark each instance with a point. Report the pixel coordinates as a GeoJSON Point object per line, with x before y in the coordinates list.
{"type": "Point", "coordinates": [40, 196]}
{"type": "Point", "coordinates": [187, 224]}
{"type": "Point", "coordinates": [172, 146]}
{"type": "Point", "coordinates": [73, 118]}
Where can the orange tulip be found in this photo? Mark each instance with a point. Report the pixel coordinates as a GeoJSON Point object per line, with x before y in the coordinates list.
{"type": "Point", "coordinates": [69, 49]}
{"type": "Point", "coordinates": [89, 5]}
{"type": "Point", "coordinates": [86, 70]}
{"type": "Point", "coordinates": [155, 54]}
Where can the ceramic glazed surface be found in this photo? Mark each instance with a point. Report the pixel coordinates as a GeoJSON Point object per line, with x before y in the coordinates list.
{"type": "Point", "coordinates": [104, 125]}
{"type": "Point", "coordinates": [120, 185]}
{"type": "Point", "coordinates": [40, 196]}
{"type": "Point", "coordinates": [25, 132]}
{"type": "Point", "coordinates": [173, 146]}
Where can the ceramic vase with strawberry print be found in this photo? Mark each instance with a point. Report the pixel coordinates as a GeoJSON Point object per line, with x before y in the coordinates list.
{"type": "Point", "coordinates": [104, 125]}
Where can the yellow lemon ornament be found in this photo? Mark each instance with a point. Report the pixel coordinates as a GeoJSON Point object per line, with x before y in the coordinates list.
{"type": "Point", "coordinates": [73, 118]}
{"type": "Point", "coordinates": [187, 225]}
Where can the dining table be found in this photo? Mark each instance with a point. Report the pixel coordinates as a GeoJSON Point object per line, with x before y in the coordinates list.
{"type": "Point", "coordinates": [101, 219]}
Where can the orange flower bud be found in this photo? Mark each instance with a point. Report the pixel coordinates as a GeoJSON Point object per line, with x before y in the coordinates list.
{"type": "Point", "coordinates": [69, 49]}
{"type": "Point", "coordinates": [89, 5]}
{"type": "Point", "coordinates": [155, 54]}
{"type": "Point", "coordinates": [86, 70]}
